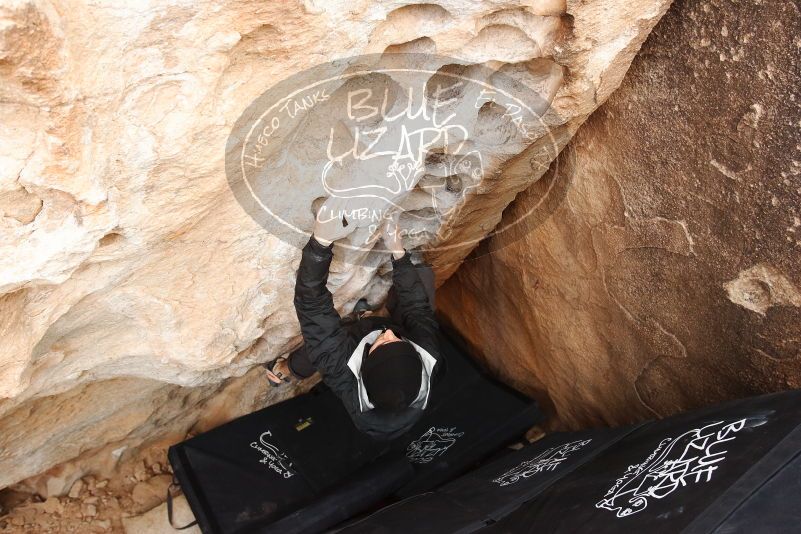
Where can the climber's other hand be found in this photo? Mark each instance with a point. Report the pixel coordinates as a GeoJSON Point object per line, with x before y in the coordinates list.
{"type": "Point", "coordinates": [391, 235]}
{"type": "Point", "coordinates": [331, 222]}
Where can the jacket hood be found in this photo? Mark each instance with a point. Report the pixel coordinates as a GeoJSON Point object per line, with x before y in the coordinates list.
{"type": "Point", "coordinates": [355, 365]}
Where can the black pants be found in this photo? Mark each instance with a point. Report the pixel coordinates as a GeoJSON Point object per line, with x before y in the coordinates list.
{"type": "Point", "coordinates": [299, 363]}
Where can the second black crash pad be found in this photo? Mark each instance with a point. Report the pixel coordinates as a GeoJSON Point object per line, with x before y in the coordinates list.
{"type": "Point", "coordinates": [294, 457]}
{"type": "Point", "coordinates": [725, 469]}
{"type": "Point", "coordinates": [709, 470]}
{"type": "Point", "coordinates": [489, 493]}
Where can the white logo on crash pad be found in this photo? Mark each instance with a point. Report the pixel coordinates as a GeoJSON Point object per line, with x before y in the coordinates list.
{"type": "Point", "coordinates": [434, 442]}
{"type": "Point", "coordinates": [690, 458]}
{"type": "Point", "coordinates": [545, 461]}
{"type": "Point", "coordinates": [272, 456]}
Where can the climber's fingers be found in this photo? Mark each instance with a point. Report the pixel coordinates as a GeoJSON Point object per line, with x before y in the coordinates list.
{"type": "Point", "coordinates": [390, 234]}
{"type": "Point", "coordinates": [331, 222]}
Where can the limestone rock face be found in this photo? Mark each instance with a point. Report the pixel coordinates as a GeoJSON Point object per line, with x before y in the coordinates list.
{"type": "Point", "coordinates": [135, 292]}
{"type": "Point", "coordinates": [670, 275]}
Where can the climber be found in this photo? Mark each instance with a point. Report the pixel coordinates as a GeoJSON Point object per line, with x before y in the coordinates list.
{"type": "Point", "coordinates": [381, 368]}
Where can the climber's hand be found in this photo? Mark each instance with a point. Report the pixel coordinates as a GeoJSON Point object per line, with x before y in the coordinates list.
{"type": "Point", "coordinates": [391, 236]}
{"type": "Point", "coordinates": [332, 222]}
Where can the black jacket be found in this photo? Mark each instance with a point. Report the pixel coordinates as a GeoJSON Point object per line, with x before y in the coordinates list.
{"type": "Point", "coordinates": [329, 344]}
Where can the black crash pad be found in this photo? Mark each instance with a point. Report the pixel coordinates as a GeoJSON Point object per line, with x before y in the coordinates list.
{"type": "Point", "coordinates": [255, 469]}
{"type": "Point", "coordinates": [469, 418]}
{"type": "Point", "coordinates": [492, 491]}
{"type": "Point", "coordinates": [710, 470]}
{"type": "Point", "coordinates": [359, 492]}
{"type": "Point", "coordinates": [300, 456]}
{"type": "Point", "coordinates": [771, 507]}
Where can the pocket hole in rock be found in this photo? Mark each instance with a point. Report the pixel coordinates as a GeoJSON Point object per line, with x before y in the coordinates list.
{"type": "Point", "coordinates": [111, 239]}
{"type": "Point", "coordinates": [453, 183]}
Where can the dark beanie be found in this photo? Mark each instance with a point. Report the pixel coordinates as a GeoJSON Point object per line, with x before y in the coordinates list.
{"type": "Point", "coordinates": [392, 374]}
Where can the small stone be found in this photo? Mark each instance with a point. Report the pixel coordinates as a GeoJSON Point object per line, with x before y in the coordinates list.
{"type": "Point", "coordinates": [90, 510]}
{"type": "Point", "coordinates": [52, 506]}
{"type": "Point", "coordinates": [535, 433]}
{"type": "Point", "coordinates": [55, 486]}
{"type": "Point", "coordinates": [76, 488]}
{"type": "Point", "coordinates": [102, 484]}
{"type": "Point", "coordinates": [103, 524]}
{"type": "Point", "coordinates": [90, 500]}
{"type": "Point", "coordinates": [141, 472]}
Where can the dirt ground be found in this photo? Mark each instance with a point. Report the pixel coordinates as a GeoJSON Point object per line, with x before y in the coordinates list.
{"type": "Point", "coordinates": [92, 504]}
